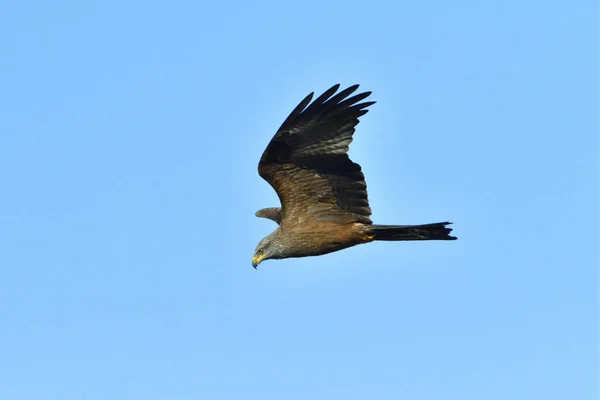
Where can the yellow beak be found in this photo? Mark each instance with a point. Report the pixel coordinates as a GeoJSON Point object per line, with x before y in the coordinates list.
{"type": "Point", "coordinates": [256, 260]}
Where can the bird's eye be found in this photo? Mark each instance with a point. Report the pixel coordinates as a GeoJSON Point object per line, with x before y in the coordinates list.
{"type": "Point", "coordinates": [260, 251]}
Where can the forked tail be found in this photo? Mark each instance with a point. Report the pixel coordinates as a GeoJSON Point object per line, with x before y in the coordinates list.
{"type": "Point", "coordinates": [437, 231]}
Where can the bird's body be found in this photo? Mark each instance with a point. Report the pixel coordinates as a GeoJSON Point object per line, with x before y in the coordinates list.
{"type": "Point", "coordinates": [325, 206]}
{"type": "Point", "coordinates": [315, 239]}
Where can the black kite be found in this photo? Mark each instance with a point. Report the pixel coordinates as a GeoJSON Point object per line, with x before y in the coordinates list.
{"type": "Point", "coordinates": [323, 193]}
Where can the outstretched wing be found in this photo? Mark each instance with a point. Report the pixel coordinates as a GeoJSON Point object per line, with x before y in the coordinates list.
{"type": "Point", "coordinates": [307, 163]}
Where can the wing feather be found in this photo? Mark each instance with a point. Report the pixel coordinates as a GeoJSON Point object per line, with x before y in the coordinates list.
{"type": "Point", "coordinates": [307, 163]}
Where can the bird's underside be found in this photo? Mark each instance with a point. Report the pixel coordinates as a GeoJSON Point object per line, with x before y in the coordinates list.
{"type": "Point", "coordinates": [323, 193]}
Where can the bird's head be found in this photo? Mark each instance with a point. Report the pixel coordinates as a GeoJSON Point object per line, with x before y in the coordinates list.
{"type": "Point", "coordinates": [266, 249]}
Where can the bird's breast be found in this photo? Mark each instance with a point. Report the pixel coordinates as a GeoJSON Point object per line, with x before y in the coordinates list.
{"type": "Point", "coordinates": [313, 239]}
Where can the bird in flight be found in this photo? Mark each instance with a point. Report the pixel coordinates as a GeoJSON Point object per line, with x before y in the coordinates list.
{"type": "Point", "coordinates": [323, 194]}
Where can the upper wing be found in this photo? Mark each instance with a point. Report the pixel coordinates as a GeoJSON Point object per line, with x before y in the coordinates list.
{"type": "Point", "coordinates": [306, 161]}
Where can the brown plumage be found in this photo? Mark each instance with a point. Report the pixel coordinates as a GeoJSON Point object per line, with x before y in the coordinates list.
{"type": "Point", "coordinates": [323, 193]}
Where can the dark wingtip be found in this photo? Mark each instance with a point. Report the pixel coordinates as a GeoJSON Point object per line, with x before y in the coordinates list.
{"type": "Point", "coordinates": [334, 88]}
{"type": "Point", "coordinates": [305, 101]}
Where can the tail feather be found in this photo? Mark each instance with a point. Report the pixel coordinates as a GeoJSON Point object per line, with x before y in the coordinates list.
{"type": "Point", "coordinates": [437, 231]}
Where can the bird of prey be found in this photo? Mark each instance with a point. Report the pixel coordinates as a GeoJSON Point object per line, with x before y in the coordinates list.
{"type": "Point", "coordinates": [323, 194]}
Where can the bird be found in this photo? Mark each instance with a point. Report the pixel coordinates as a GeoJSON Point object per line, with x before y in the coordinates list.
{"type": "Point", "coordinates": [323, 193]}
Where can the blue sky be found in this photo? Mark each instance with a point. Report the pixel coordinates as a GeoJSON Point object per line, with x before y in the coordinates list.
{"type": "Point", "coordinates": [129, 138]}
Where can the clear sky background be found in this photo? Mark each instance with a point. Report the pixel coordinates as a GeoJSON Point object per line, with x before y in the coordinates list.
{"type": "Point", "coordinates": [129, 138]}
